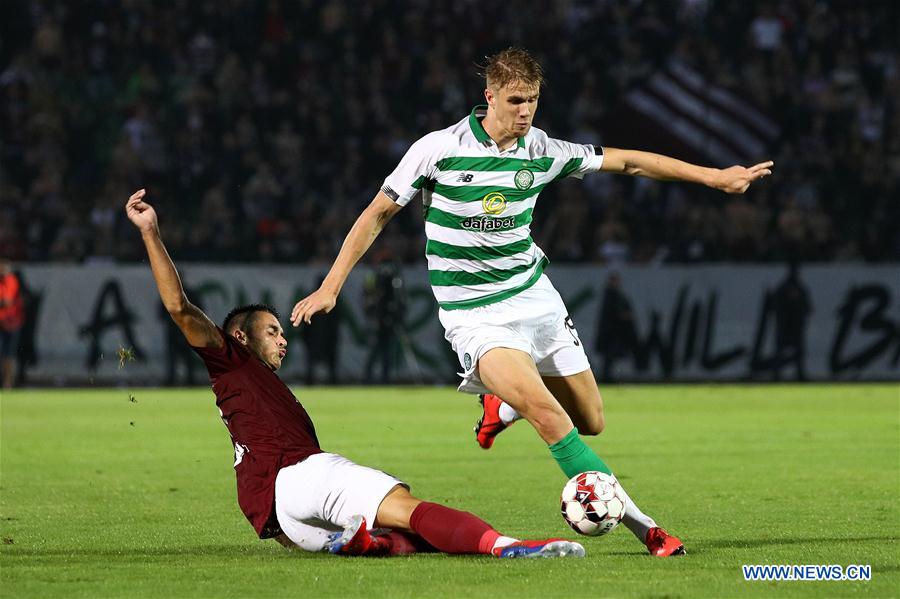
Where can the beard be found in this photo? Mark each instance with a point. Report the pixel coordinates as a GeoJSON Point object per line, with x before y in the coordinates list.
{"type": "Point", "coordinates": [260, 350]}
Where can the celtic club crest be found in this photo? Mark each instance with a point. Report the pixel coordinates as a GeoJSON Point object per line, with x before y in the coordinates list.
{"type": "Point", "coordinates": [524, 179]}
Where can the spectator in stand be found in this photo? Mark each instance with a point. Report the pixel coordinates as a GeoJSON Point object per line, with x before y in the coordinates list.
{"type": "Point", "coordinates": [12, 317]}
{"type": "Point", "coordinates": [271, 106]}
{"type": "Point", "coordinates": [616, 336]}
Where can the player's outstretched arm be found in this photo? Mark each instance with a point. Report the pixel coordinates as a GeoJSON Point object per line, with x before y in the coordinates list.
{"type": "Point", "coordinates": [735, 179]}
{"type": "Point", "coordinates": [196, 326]}
{"type": "Point", "coordinates": [358, 240]}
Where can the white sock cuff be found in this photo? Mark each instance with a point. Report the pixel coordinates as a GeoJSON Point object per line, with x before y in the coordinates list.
{"type": "Point", "coordinates": [507, 413]}
{"type": "Point", "coordinates": [503, 542]}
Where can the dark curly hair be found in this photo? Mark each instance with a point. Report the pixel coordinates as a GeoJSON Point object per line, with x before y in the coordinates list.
{"type": "Point", "coordinates": [242, 317]}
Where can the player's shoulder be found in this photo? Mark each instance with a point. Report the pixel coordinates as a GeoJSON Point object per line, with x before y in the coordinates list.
{"type": "Point", "coordinates": [436, 144]}
{"type": "Point", "coordinates": [443, 139]}
{"type": "Point", "coordinates": [230, 356]}
{"type": "Point", "coordinates": [539, 142]}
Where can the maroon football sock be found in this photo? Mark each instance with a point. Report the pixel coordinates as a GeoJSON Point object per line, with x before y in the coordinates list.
{"type": "Point", "coordinates": [404, 543]}
{"type": "Point", "coordinates": [452, 531]}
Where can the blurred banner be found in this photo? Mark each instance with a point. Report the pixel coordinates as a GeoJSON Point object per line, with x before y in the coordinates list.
{"type": "Point", "coordinates": [680, 112]}
{"type": "Point", "coordinates": [105, 325]}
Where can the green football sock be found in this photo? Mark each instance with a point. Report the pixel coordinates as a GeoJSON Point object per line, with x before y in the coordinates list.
{"type": "Point", "coordinates": [573, 456]}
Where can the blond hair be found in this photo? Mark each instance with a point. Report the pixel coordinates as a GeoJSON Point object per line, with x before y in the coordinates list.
{"type": "Point", "coordinates": [510, 66]}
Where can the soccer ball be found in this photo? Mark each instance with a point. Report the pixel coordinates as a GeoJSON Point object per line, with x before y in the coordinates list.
{"type": "Point", "coordinates": [592, 503]}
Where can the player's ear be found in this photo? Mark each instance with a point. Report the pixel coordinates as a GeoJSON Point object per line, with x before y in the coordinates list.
{"type": "Point", "coordinates": [489, 96]}
{"type": "Point", "coordinates": [241, 336]}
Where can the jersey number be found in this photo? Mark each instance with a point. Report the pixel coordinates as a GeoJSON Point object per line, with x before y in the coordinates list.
{"type": "Point", "coordinates": [570, 326]}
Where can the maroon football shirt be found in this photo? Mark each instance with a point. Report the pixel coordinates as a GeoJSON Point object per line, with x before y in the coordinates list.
{"type": "Point", "coordinates": [269, 428]}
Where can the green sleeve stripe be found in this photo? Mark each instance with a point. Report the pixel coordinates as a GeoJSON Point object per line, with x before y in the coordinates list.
{"type": "Point", "coordinates": [489, 163]}
{"type": "Point", "coordinates": [444, 278]}
{"type": "Point", "coordinates": [499, 296]}
{"type": "Point", "coordinates": [463, 252]}
{"type": "Point", "coordinates": [571, 165]}
{"type": "Point", "coordinates": [476, 193]}
{"type": "Point", "coordinates": [451, 221]}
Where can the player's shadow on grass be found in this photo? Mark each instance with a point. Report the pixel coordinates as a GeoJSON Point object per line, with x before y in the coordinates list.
{"type": "Point", "coordinates": [701, 546]}
{"type": "Point", "coordinates": [196, 551]}
{"type": "Point", "coordinates": [56, 556]}
{"type": "Point", "coordinates": [741, 543]}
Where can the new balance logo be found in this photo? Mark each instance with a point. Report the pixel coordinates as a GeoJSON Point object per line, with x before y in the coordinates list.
{"type": "Point", "coordinates": [465, 178]}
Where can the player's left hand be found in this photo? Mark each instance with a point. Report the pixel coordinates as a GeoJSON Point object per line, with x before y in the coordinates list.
{"type": "Point", "coordinates": [737, 179]}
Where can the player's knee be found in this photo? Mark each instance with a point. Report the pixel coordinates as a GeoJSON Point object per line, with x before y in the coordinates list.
{"type": "Point", "coordinates": [592, 421]}
{"type": "Point", "coordinates": [396, 509]}
{"type": "Point", "coordinates": [546, 417]}
{"type": "Point", "coordinates": [593, 424]}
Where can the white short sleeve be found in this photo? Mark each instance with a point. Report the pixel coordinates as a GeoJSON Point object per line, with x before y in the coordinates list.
{"type": "Point", "coordinates": [583, 158]}
{"type": "Point", "coordinates": [416, 167]}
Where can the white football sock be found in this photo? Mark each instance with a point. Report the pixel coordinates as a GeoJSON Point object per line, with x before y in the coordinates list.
{"type": "Point", "coordinates": [503, 542]}
{"type": "Point", "coordinates": [507, 414]}
{"type": "Point", "coordinates": [637, 521]}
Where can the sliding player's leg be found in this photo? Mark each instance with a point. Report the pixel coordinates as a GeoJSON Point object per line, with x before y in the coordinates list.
{"type": "Point", "coordinates": [318, 499]}
{"type": "Point", "coordinates": [454, 531]}
{"type": "Point", "coordinates": [328, 503]}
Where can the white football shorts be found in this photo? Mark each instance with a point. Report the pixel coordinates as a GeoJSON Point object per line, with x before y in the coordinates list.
{"type": "Point", "coordinates": [319, 495]}
{"type": "Point", "coordinates": [534, 321]}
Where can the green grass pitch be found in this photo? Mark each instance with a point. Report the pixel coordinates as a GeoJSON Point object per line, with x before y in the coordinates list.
{"type": "Point", "coordinates": [107, 495]}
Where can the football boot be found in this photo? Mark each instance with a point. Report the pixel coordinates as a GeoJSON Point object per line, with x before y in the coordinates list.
{"type": "Point", "coordinates": [545, 548]}
{"type": "Point", "coordinates": [662, 544]}
{"type": "Point", "coordinates": [489, 425]}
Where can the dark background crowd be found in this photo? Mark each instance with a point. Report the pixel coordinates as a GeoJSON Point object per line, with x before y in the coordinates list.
{"type": "Point", "coordinates": [262, 128]}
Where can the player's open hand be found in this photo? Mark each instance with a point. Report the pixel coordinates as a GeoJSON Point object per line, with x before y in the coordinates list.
{"type": "Point", "coordinates": [140, 212]}
{"type": "Point", "coordinates": [319, 301]}
{"type": "Point", "coordinates": [737, 179]}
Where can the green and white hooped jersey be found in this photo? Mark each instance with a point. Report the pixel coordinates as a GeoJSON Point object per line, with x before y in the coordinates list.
{"type": "Point", "coordinates": [478, 203]}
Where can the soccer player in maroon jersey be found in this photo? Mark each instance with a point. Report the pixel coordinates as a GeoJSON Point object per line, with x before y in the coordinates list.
{"type": "Point", "coordinates": [288, 488]}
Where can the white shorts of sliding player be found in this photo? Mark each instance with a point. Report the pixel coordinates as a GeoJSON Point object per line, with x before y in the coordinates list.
{"type": "Point", "coordinates": [319, 495]}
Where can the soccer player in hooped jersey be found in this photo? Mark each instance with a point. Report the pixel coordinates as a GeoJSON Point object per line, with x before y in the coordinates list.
{"type": "Point", "coordinates": [479, 180]}
{"type": "Point", "coordinates": [288, 488]}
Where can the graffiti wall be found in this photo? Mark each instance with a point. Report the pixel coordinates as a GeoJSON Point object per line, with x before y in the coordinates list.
{"type": "Point", "coordinates": [105, 325]}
